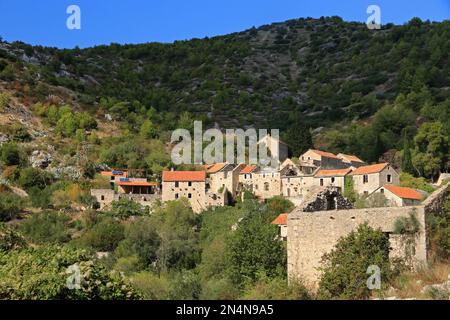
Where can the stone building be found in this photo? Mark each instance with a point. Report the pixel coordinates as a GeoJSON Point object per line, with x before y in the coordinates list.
{"type": "Point", "coordinates": [191, 185]}
{"type": "Point", "coordinates": [312, 234]}
{"type": "Point", "coordinates": [351, 160]}
{"type": "Point", "coordinates": [277, 148]}
{"type": "Point", "coordinates": [322, 159]}
{"type": "Point", "coordinates": [266, 183]}
{"type": "Point", "coordinates": [281, 222]}
{"type": "Point", "coordinates": [332, 178]}
{"type": "Point", "coordinates": [367, 179]}
{"type": "Point", "coordinates": [399, 196]}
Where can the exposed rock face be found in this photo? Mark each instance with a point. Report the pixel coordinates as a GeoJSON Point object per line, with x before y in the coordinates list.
{"type": "Point", "coordinates": [40, 159]}
{"type": "Point", "coordinates": [329, 198]}
{"type": "Point", "coordinates": [3, 138]}
{"type": "Point", "coordinates": [71, 172]}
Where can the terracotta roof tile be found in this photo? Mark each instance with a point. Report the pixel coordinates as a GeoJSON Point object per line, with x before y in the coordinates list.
{"type": "Point", "coordinates": [403, 192]}
{"type": "Point", "coordinates": [374, 168]}
{"type": "Point", "coordinates": [213, 168]}
{"type": "Point", "coordinates": [281, 219]}
{"type": "Point", "coordinates": [325, 154]}
{"type": "Point", "coordinates": [350, 157]}
{"type": "Point", "coordinates": [336, 172]}
{"type": "Point", "coordinates": [248, 169]}
{"type": "Point", "coordinates": [184, 176]}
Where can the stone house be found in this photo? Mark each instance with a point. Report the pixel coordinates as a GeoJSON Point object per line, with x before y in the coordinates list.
{"type": "Point", "coordinates": [367, 179]}
{"type": "Point", "coordinates": [191, 185]}
{"type": "Point", "coordinates": [351, 160]}
{"type": "Point", "coordinates": [322, 159]}
{"type": "Point", "coordinates": [399, 196]}
{"type": "Point", "coordinates": [115, 176]}
{"type": "Point", "coordinates": [281, 222]}
{"type": "Point", "coordinates": [246, 177]}
{"type": "Point", "coordinates": [266, 183]}
{"type": "Point", "coordinates": [333, 178]}
{"type": "Point", "coordinates": [223, 176]}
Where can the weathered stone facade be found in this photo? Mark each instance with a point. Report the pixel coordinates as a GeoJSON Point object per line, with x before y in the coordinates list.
{"type": "Point", "coordinates": [312, 234]}
{"type": "Point", "coordinates": [328, 199]}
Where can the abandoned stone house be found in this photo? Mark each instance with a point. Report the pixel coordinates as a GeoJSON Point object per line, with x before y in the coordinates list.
{"type": "Point", "coordinates": [311, 234]}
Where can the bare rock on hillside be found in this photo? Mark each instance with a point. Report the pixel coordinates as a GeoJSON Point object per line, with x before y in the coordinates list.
{"type": "Point", "coordinates": [40, 159]}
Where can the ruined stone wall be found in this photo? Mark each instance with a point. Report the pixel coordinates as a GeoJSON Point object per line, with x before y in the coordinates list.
{"type": "Point", "coordinates": [312, 234]}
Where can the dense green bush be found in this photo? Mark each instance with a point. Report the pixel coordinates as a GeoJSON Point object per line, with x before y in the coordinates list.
{"type": "Point", "coordinates": [42, 273]}
{"type": "Point", "coordinates": [104, 235]}
{"type": "Point", "coordinates": [254, 247]}
{"type": "Point", "coordinates": [125, 208]}
{"type": "Point", "coordinates": [344, 268]}
{"type": "Point", "coordinates": [46, 227]}
{"type": "Point", "coordinates": [10, 239]}
{"type": "Point", "coordinates": [33, 177]}
{"type": "Point", "coordinates": [9, 154]}
{"type": "Point", "coordinates": [10, 205]}
{"type": "Point", "coordinates": [141, 239]}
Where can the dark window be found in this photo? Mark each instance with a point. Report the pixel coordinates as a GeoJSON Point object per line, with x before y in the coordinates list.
{"type": "Point", "coordinates": [189, 184]}
{"type": "Point", "coordinates": [189, 195]}
{"type": "Point", "coordinates": [177, 184]}
{"type": "Point", "coordinates": [332, 180]}
{"type": "Point", "coordinates": [103, 197]}
{"type": "Point", "coordinates": [382, 190]}
{"type": "Point", "coordinates": [176, 195]}
{"type": "Point", "coordinates": [365, 178]}
{"type": "Point", "coordinates": [321, 182]}
{"type": "Point", "coordinates": [389, 178]}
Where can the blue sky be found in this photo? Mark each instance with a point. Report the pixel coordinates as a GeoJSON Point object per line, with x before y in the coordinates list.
{"type": "Point", "coordinates": [43, 22]}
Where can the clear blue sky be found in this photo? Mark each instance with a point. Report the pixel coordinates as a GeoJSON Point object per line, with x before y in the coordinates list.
{"type": "Point", "coordinates": [43, 22]}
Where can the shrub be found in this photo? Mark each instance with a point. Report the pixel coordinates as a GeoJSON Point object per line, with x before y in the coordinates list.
{"type": "Point", "coordinates": [5, 99]}
{"type": "Point", "coordinates": [185, 285]}
{"type": "Point", "coordinates": [141, 240]}
{"type": "Point", "coordinates": [404, 225]}
{"type": "Point", "coordinates": [47, 226]}
{"type": "Point", "coordinates": [10, 206]}
{"type": "Point", "coordinates": [151, 286]}
{"type": "Point", "coordinates": [104, 235]}
{"type": "Point", "coordinates": [42, 273]}
{"type": "Point", "coordinates": [10, 239]}
{"type": "Point", "coordinates": [32, 177]}
{"type": "Point", "coordinates": [125, 208]}
{"type": "Point", "coordinates": [344, 268]}
{"type": "Point", "coordinates": [9, 154]}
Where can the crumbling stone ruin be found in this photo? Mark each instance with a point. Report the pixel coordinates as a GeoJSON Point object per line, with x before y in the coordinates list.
{"type": "Point", "coordinates": [329, 198]}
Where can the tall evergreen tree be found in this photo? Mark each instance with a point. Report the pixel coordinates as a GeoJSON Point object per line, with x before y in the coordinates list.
{"type": "Point", "coordinates": [407, 165]}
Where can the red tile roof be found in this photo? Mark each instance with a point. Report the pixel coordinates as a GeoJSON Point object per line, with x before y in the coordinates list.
{"type": "Point", "coordinates": [331, 173]}
{"type": "Point", "coordinates": [325, 154]}
{"type": "Point", "coordinates": [184, 176]}
{"type": "Point", "coordinates": [403, 192]}
{"type": "Point", "coordinates": [281, 219]}
{"type": "Point", "coordinates": [374, 168]}
{"type": "Point", "coordinates": [213, 168]}
{"type": "Point", "coordinates": [350, 157]}
{"type": "Point", "coordinates": [248, 169]}
{"type": "Point", "coordinates": [137, 183]}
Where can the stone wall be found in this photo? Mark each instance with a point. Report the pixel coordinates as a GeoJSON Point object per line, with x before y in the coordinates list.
{"type": "Point", "coordinates": [311, 234]}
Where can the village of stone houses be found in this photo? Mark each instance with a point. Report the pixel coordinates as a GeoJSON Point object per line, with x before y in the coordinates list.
{"type": "Point", "coordinates": [355, 205]}
{"type": "Point", "coordinates": [316, 183]}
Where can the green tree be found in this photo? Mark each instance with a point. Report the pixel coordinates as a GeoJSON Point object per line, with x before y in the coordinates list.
{"type": "Point", "coordinates": [344, 268]}
{"type": "Point", "coordinates": [148, 130]}
{"type": "Point", "coordinates": [141, 239]}
{"type": "Point", "coordinates": [125, 208]}
{"type": "Point", "coordinates": [105, 235]}
{"type": "Point", "coordinates": [254, 247]}
{"type": "Point", "coordinates": [432, 150]}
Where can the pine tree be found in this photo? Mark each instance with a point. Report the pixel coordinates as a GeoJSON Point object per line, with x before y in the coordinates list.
{"type": "Point", "coordinates": [407, 165]}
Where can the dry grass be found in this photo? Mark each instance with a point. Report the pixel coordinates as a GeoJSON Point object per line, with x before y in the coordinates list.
{"type": "Point", "coordinates": [410, 285]}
